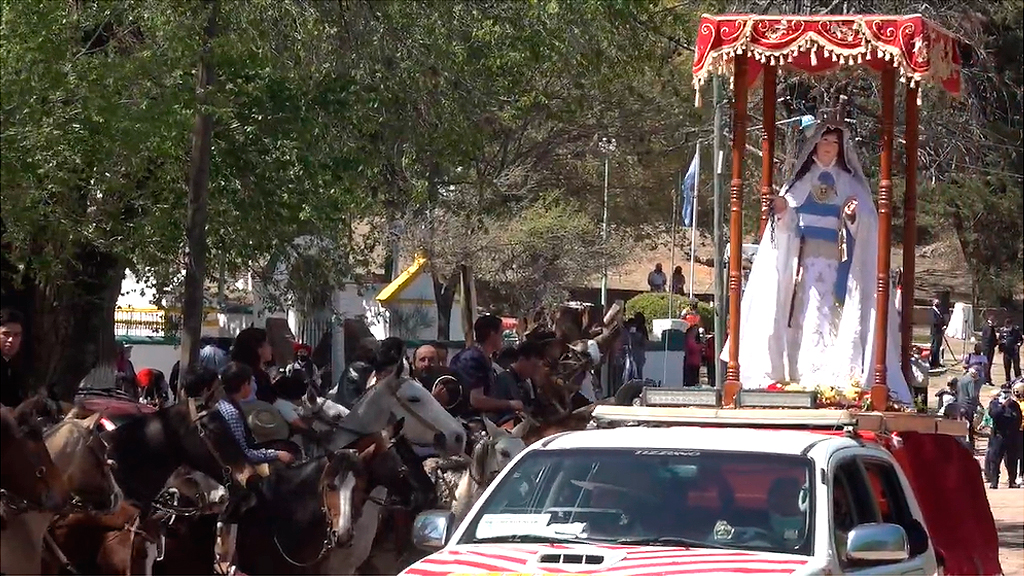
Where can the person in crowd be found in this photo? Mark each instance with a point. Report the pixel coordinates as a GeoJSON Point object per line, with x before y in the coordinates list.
{"type": "Point", "coordinates": [635, 347]}
{"type": "Point", "coordinates": [947, 399]}
{"type": "Point", "coordinates": [353, 380]}
{"type": "Point", "coordinates": [13, 387]}
{"type": "Point", "coordinates": [989, 341]}
{"type": "Point", "coordinates": [289, 390]}
{"type": "Point", "coordinates": [678, 280]}
{"type": "Point", "coordinates": [473, 367]}
{"type": "Point", "coordinates": [424, 358]}
{"type": "Point", "coordinates": [1016, 456]}
{"type": "Point", "coordinates": [237, 380]}
{"type": "Point", "coordinates": [1005, 437]}
{"type": "Point", "coordinates": [125, 371]}
{"type": "Point", "coordinates": [198, 381]}
{"type": "Point", "coordinates": [252, 348]}
{"type": "Point", "coordinates": [938, 326]}
{"type": "Point", "coordinates": [979, 359]}
{"type": "Point", "coordinates": [1010, 339]}
{"type": "Point", "coordinates": [153, 387]}
{"type": "Point", "coordinates": [693, 357]}
{"type": "Point", "coordinates": [968, 391]}
{"type": "Point", "coordinates": [516, 383]}
{"type": "Point", "coordinates": [710, 358]}
{"type": "Point", "coordinates": [303, 366]}
{"type": "Point", "coordinates": [656, 279]}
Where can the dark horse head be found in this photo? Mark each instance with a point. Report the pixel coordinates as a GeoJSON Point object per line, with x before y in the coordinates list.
{"type": "Point", "coordinates": [302, 512]}
{"type": "Point", "coordinates": [150, 447]}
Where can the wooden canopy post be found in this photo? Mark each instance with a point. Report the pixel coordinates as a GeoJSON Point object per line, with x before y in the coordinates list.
{"type": "Point", "coordinates": [880, 391]}
{"type": "Point", "coordinates": [767, 143]}
{"type": "Point", "coordinates": [909, 233]}
{"type": "Point", "coordinates": [739, 143]}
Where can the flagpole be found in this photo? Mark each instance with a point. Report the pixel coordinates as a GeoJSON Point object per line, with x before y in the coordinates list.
{"type": "Point", "coordinates": [675, 217]}
{"type": "Point", "coordinates": [693, 216]}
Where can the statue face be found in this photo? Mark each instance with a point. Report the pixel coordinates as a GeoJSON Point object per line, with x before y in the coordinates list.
{"type": "Point", "coordinates": [827, 149]}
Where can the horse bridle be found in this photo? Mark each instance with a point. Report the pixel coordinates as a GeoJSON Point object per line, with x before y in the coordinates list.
{"type": "Point", "coordinates": [331, 537]}
{"type": "Point", "coordinates": [76, 503]}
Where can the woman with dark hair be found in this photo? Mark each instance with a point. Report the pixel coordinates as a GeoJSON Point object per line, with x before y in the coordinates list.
{"type": "Point", "coordinates": [808, 308]}
{"type": "Point", "coordinates": [252, 348]}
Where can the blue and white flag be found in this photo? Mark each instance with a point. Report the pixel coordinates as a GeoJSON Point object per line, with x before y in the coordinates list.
{"type": "Point", "coordinates": [689, 191]}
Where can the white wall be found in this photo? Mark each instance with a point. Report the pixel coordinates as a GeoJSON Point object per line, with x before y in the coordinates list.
{"type": "Point", "coordinates": [158, 356]}
{"type": "Point", "coordinates": [665, 367]}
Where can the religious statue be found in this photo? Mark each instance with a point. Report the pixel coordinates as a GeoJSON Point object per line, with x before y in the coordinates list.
{"type": "Point", "coordinates": [807, 312]}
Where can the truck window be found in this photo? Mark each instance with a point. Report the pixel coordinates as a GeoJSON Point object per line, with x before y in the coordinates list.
{"type": "Point", "coordinates": [887, 492]}
{"type": "Point", "coordinates": [852, 504]}
{"type": "Point", "coordinates": [732, 500]}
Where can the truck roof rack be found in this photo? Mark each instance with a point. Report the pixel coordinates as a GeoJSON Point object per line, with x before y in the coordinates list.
{"type": "Point", "coordinates": [798, 418]}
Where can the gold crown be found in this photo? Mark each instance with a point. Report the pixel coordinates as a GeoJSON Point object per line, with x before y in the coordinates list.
{"type": "Point", "coordinates": [834, 117]}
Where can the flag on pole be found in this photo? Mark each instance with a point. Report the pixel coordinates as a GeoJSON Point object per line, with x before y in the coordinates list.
{"type": "Point", "coordinates": [688, 192]}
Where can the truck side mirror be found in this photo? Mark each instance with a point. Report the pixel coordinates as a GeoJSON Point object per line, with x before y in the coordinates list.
{"type": "Point", "coordinates": [877, 542]}
{"type": "Point", "coordinates": [432, 529]}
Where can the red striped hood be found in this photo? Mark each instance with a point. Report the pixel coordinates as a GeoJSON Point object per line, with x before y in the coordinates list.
{"type": "Point", "coordinates": [610, 560]}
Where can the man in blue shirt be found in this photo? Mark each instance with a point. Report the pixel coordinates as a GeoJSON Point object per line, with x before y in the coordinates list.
{"type": "Point", "coordinates": [238, 383]}
{"type": "Point", "coordinates": [475, 371]}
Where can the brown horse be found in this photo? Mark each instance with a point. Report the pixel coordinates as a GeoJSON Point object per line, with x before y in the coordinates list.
{"type": "Point", "coordinates": [29, 480]}
{"type": "Point", "coordinates": [80, 454]}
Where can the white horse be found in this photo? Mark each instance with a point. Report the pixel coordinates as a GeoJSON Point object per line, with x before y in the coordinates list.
{"type": "Point", "coordinates": [490, 456]}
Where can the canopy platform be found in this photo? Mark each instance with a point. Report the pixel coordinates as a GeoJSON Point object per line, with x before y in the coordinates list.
{"type": "Point", "coordinates": [749, 49]}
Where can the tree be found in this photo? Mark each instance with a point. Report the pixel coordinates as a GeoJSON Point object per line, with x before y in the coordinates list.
{"type": "Point", "coordinates": [97, 104]}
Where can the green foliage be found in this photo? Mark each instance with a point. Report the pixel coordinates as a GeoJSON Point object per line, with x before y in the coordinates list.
{"type": "Point", "coordinates": [655, 305]}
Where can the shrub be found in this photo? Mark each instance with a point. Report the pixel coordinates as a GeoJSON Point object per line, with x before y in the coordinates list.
{"type": "Point", "coordinates": [655, 305]}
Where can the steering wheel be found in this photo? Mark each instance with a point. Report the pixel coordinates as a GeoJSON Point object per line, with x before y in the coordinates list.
{"type": "Point", "coordinates": [750, 535]}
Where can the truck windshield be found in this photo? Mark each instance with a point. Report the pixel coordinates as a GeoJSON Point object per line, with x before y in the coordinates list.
{"type": "Point", "coordinates": [713, 499]}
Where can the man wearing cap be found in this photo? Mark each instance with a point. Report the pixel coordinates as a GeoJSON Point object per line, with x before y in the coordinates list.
{"type": "Point", "coordinates": [1002, 444]}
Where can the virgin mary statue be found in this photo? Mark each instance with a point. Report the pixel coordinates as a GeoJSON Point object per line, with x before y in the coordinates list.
{"type": "Point", "coordinates": [808, 308]}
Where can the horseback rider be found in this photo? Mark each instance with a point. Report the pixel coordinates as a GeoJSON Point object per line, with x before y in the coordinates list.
{"type": "Point", "coordinates": [237, 381]}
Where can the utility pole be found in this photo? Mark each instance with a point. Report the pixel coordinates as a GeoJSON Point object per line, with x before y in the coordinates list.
{"type": "Point", "coordinates": [720, 305]}
{"type": "Point", "coordinates": [607, 146]}
{"type": "Point", "coordinates": [192, 305]}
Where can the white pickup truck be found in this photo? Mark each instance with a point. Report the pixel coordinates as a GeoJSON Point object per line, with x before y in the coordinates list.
{"type": "Point", "coordinates": [716, 495]}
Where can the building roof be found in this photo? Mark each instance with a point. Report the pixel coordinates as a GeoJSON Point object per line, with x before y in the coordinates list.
{"type": "Point", "coordinates": [403, 280]}
{"type": "Point", "coordinates": [790, 442]}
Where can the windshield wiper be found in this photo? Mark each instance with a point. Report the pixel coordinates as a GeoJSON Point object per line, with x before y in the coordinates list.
{"type": "Point", "coordinates": [668, 541]}
{"type": "Point", "coordinates": [530, 539]}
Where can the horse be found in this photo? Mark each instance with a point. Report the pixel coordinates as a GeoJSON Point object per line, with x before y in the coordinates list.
{"type": "Point", "coordinates": [123, 542]}
{"type": "Point", "coordinates": [147, 449]}
{"type": "Point", "coordinates": [287, 532]}
{"type": "Point", "coordinates": [394, 486]}
{"type": "Point", "coordinates": [29, 480]}
{"type": "Point", "coordinates": [490, 455]}
{"type": "Point", "coordinates": [454, 482]}
{"type": "Point", "coordinates": [80, 454]}
{"type": "Point", "coordinates": [394, 397]}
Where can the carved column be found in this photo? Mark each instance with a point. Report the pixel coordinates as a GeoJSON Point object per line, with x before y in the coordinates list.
{"type": "Point", "coordinates": [880, 391]}
{"type": "Point", "coordinates": [739, 142]}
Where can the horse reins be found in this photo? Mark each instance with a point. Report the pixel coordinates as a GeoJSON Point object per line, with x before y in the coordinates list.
{"type": "Point", "coordinates": [329, 538]}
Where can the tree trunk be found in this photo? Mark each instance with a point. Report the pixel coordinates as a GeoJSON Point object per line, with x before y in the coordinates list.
{"type": "Point", "coordinates": [444, 299]}
{"type": "Point", "coordinates": [192, 306]}
{"type": "Point", "coordinates": [69, 323]}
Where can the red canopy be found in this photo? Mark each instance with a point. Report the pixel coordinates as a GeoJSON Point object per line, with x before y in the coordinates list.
{"type": "Point", "coordinates": [919, 50]}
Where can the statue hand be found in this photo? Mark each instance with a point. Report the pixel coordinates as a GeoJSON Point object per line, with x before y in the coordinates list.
{"type": "Point", "coordinates": [850, 209]}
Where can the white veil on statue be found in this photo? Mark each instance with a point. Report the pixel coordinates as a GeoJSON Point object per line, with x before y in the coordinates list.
{"type": "Point", "coordinates": [769, 289]}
